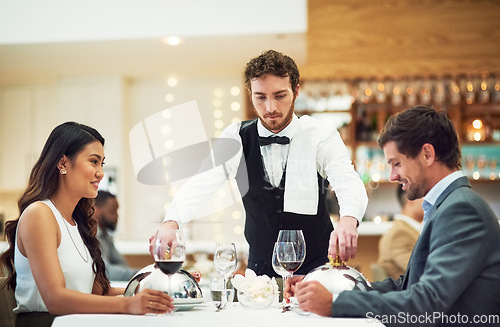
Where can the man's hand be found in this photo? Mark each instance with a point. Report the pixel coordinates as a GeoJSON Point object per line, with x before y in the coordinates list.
{"type": "Point", "coordinates": [346, 237]}
{"type": "Point", "coordinates": [166, 236]}
{"type": "Point", "coordinates": [289, 287]}
{"type": "Point", "coordinates": [314, 297]}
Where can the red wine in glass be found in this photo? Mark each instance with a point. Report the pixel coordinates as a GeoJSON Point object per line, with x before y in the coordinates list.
{"type": "Point", "coordinates": [291, 249]}
{"type": "Point", "coordinates": [170, 256]}
{"type": "Point", "coordinates": [291, 266]}
{"type": "Point", "coordinates": [169, 267]}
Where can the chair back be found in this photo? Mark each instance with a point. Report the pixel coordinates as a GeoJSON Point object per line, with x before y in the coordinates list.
{"type": "Point", "coordinates": [7, 305]}
{"type": "Point", "coordinates": [378, 272]}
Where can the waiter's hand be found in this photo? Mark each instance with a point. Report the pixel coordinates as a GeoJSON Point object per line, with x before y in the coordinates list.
{"type": "Point", "coordinates": [345, 236]}
{"type": "Point", "coordinates": [166, 236]}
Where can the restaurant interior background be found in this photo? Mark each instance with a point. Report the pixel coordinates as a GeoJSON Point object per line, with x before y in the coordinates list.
{"type": "Point", "coordinates": [108, 65]}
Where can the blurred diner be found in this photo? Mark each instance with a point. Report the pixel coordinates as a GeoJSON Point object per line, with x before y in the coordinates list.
{"type": "Point", "coordinates": [106, 213]}
{"type": "Point", "coordinates": [396, 245]}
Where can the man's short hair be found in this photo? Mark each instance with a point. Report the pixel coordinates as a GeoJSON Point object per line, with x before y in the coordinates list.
{"type": "Point", "coordinates": [414, 127]}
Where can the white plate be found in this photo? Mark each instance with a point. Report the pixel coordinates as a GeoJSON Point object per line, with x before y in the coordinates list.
{"type": "Point", "coordinates": [187, 304]}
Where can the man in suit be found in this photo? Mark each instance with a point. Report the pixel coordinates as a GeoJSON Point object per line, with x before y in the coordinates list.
{"type": "Point", "coordinates": [453, 276]}
{"type": "Point", "coordinates": [396, 245]}
{"type": "Point", "coordinates": [289, 163]}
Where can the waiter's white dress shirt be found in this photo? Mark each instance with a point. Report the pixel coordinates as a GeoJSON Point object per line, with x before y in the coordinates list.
{"type": "Point", "coordinates": [327, 156]}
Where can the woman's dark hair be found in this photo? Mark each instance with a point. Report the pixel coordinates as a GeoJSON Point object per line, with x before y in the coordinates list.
{"type": "Point", "coordinates": [274, 63]}
{"type": "Point", "coordinates": [66, 139]}
{"type": "Point", "coordinates": [412, 128]}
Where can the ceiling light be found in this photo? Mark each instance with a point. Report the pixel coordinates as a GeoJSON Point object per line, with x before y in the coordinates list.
{"type": "Point", "coordinates": [172, 81]}
{"type": "Point", "coordinates": [172, 40]}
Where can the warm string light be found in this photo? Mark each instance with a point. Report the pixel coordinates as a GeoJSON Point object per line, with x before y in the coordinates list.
{"type": "Point", "coordinates": [219, 102]}
{"type": "Point", "coordinates": [476, 131]}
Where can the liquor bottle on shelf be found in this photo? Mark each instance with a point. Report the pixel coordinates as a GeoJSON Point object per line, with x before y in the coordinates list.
{"type": "Point", "coordinates": [363, 126]}
{"type": "Point", "coordinates": [481, 162]}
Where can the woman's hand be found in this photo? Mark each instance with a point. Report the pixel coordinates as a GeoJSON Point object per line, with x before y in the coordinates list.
{"type": "Point", "coordinates": [149, 301]}
{"type": "Point", "coordinates": [196, 275]}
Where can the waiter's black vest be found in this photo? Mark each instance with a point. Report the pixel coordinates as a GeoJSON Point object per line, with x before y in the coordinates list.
{"type": "Point", "coordinates": [264, 212]}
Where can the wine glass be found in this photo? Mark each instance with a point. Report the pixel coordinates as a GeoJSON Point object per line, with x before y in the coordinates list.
{"type": "Point", "coordinates": [225, 262]}
{"type": "Point", "coordinates": [169, 258]}
{"type": "Point", "coordinates": [291, 251]}
{"type": "Point", "coordinates": [277, 266]}
{"type": "Point", "coordinates": [221, 291]}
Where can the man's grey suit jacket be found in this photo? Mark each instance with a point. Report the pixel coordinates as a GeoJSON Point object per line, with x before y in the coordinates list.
{"type": "Point", "coordinates": [454, 269]}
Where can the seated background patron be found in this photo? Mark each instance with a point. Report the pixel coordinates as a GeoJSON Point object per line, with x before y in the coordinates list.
{"type": "Point", "coordinates": [396, 245]}
{"type": "Point", "coordinates": [106, 214]}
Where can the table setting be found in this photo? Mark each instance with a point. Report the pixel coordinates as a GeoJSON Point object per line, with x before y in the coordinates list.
{"type": "Point", "coordinates": [240, 300]}
{"type": "Point", "coordinates": [205, 315]}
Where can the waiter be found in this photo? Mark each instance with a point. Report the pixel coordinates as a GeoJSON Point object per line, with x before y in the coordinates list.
{"type": "Point", "coordinates": [290, 163]}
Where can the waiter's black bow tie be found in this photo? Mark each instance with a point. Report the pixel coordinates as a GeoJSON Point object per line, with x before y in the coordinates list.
{"type": "Point", "coordinates": [273, 139]}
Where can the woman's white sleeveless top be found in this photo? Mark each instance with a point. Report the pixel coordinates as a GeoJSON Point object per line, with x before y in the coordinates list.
{"type": "Point", "coordinates": [78, 274]}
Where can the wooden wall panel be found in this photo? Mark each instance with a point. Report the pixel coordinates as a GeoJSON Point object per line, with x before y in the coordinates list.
{"type": "Point", "coordinates": [366, 255]}
{"type": "Point", "coordinates": [358, 38]}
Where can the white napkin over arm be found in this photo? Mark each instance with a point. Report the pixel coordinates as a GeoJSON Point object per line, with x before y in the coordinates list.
{"type": "Point", "coordinates": [301, 185]}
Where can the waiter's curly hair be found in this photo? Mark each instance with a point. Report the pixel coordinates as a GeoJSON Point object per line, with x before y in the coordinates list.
{"type": "Point", "coordinates": [275, 63]}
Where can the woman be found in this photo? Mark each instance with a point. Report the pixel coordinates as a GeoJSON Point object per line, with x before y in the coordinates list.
{"type": "Point", "coordinates": [54, 261]}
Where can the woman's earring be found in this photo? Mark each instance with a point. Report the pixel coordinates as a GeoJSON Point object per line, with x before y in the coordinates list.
{"type": "Point", "coordinates": [63, 171]}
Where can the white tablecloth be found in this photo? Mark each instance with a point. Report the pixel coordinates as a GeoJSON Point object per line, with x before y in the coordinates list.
{"type": "Point", "coordinates": [205, 316]}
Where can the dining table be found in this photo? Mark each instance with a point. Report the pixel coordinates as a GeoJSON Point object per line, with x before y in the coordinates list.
{"type": "Point", "coordinates": [205, 315]}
